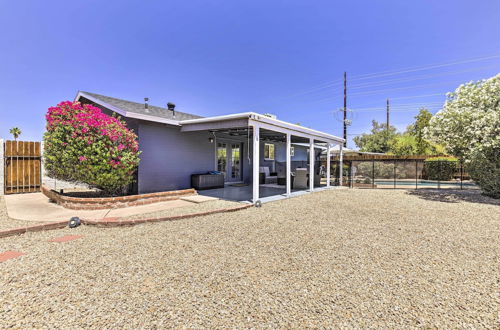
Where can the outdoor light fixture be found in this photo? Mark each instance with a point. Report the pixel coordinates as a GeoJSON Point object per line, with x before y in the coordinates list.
{"type": "Point", "coordinates": [74, 222]}
{"type": "Point", "coordinates": [211, 139]}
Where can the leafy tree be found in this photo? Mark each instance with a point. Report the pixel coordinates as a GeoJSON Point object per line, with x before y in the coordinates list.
{"type": "Point", "coordinates": [469, 127]}
{"type": "Point", "coordinates": [404, 145]}
{"type": "Point", "coordinates": [82, 144]}
{"type": "Point", "coordinates": [15, 131]}
{"type": "Point", "coordinates": [378, 140]}
{"type": "Point", "coordinates": [417, 129]}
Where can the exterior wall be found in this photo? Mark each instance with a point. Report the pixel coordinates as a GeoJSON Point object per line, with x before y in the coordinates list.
{"type": "Point", "coordinates": [169, 157]}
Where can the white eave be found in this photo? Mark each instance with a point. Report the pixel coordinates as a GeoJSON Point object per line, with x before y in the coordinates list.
{"type": "Point", "coordinates": [264, 119]}
{"type": "Point", "coordinates": [128, 114]}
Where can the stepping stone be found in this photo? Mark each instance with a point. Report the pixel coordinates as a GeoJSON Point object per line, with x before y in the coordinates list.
{"type": "Point", "coordinates": [66, 238]}
{"type": "Point", "coordinates": [10, 255]}
{"type": "Point", "coordinates": [198, 199]}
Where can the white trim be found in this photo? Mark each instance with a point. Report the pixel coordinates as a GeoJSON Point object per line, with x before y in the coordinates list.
{"type": "Point", "coordinates": [217, 118]}
{"type": "Point", "coordinates": [297, 128]}
{"type": "Point", "coordinates": [273, 125]}
{"type": "Point", "coordinates": [128, 114]}
{"type": "Point", "coordinates": [341, 166]}
{"type": "Point", "coordinates": [255, 163]}
{"type": "Point", "coordinates": [328, 165]}
{"type": "Point", "coordinates": [311, 164]}
{"type": "Point", "coordinates": [288, 165]}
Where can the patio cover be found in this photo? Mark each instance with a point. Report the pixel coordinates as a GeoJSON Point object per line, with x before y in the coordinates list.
{"type": "Point", "coordinates": [256, 122]}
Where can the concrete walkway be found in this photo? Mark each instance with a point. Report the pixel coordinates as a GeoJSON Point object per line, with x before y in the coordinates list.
{"type": "Point", "coordinates": [36, 207]}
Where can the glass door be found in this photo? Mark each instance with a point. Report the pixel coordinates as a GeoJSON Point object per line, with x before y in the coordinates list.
{"type": "Point", "coordinates": [235, 162]}
{"type": "Point", "coordinates": [222, 158]}
{"type": "Point", "coordinates": [229, 161]}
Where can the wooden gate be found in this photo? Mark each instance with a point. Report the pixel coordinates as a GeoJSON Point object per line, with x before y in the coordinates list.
{"type": "Point", "coordinates": [22, 167]}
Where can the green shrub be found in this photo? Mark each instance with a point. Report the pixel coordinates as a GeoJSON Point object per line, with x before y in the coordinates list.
{"type": "Point", "coordinates": [440, 168]}
{"type": "Point", "coordinates": [84, 145]}
{"type": "Point", "coordinates": [484, 168]}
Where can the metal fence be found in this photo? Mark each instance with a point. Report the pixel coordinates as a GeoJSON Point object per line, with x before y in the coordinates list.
{"type": "Point", "coordinates": [403, 174]}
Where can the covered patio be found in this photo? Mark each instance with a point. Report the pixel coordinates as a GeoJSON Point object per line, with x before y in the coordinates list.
{"type": "Point", "coordinates": [263, 158]}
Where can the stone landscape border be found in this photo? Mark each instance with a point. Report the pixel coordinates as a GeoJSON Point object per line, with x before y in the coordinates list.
{"type": "Point", "coordinates": [115, 222]}
{"type": "Point", "coordinates": [81, 203]}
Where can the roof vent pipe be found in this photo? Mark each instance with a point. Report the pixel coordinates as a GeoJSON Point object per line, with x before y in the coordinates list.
{"type": "Point", "coordinates": [146, 107]}
{"type": "Point", "coordinates": [171, 107]}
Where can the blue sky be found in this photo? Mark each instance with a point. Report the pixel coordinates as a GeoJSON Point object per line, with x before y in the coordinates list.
{"type": "Point", "coordinates": [220, 57]}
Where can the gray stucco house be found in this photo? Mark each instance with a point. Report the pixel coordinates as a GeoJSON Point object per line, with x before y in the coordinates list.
{"type": "Point", "coordinates": [176, 145]}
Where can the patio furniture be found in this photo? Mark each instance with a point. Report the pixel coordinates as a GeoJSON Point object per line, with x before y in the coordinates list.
{"type": "Point", "coordinates": [262, 178]}
{"type": "Point", "coordinates": [207, 181]}
{"type": "Point", "coordinates": [268, 178]}
{"type": "Point", "coordinates": [317, 180]}
{"type": "Point", "coordinates": [282, 180]}
{"type": "Point", "coordinates": [300, 180]}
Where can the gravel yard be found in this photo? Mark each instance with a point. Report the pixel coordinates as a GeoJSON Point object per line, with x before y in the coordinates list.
{"type": "Point", "coordinates": [339, 258]}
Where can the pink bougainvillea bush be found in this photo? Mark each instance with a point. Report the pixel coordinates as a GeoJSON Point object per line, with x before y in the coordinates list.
{"type": "Point", "coordinates": [84, 145]}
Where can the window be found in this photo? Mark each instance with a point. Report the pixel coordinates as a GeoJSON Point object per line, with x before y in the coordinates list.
{"type": "Point", "coordinates": [292, 151]}
{"type": "Point", "coordinates": [269, 151]}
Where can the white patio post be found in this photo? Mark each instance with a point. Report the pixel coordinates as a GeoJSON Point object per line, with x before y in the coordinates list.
{"type": "Point", "coordinates": [256, 163]}
{"type": "Point", "coordinates": [341, 167]}
{"type": "Point", "coordinates": [328, 165]}
{"type": "Point", "coordinates": [311, 164]}
{"type": "Point", "coordinates": [288, 164]}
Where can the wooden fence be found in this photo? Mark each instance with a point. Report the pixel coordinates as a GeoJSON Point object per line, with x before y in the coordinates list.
{"type": "Point", "coordinates": [22, 167]}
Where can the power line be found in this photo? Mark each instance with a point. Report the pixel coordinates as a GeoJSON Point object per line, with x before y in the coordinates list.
{"type": "Point", "coordinates": [408, 106]}
{"type": "Point", "coordinates": [421, 68]}
{"type": "Point", "coordinates": [389, 81]}
{"type": "Point", "coordinates": [401, 88]}
{"type": "Point", "coordinates": [417, 96]}
{"type": "Point", "coordinates": [332, 83]}
{"type": "Point", "coordinates": [303, 92]}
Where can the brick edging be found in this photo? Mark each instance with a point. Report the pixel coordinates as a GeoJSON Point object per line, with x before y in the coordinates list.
{"type": "Point", "coordinates": [39, 227]}
{"type": "Point", "coordinates": [76, 203]}
{"type": "Point", "coordinates": [113, 222]}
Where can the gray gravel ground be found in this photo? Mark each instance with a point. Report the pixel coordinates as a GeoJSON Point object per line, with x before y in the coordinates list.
{"type": "Point", "coordinates": [341, 258]}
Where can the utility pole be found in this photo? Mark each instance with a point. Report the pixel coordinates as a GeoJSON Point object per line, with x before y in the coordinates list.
{"type": "Point", "coordinates": [387, 121]}
{"type": "Point", "coordinates": [345, 109]}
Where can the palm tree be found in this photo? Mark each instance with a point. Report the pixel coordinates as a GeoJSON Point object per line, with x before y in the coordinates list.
{"type": "Point", "coordinates": [15, 131]}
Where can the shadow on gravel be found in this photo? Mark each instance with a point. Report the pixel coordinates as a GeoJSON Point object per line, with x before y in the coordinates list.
{"type": "Point", "coordinates": [454, 196]}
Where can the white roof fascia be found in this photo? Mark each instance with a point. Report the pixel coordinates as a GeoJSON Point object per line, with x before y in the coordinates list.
{"type": "Point", "coordinates": [217, 118]}
{"type": "Point", "coordinates": [267, 120]}
{"type": "Point", "coordinates": [307, 145]}
{"type": "Point", "coordinates": [128, 114]}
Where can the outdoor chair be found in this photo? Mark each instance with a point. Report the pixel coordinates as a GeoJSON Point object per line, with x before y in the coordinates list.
{"type": "Point", "coordinates": [300, 180]}
{"type": "Point", "coordinates": [268, 178]}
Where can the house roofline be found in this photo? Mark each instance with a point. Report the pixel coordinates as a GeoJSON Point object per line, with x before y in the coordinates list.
{"type": "Point", "coordinates": [245, 115]}
{"type": "Point", "coordinates": [127, 114]}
